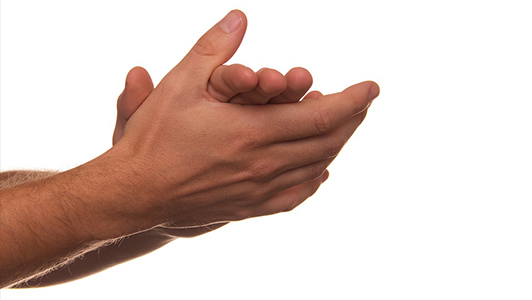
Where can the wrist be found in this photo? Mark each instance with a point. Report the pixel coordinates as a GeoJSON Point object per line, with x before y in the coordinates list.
{"type": "Point", "coordinates": [110, 197]}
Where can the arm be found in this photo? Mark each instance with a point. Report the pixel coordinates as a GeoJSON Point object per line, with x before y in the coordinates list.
{"type": "Point", "coordinates": [167, 172]}
{"type": "Point", "coordinates": [42, 225]}
{"type": "Point", "coordinates": [117, 252]}
{"type": "Point", "coordinates": [234, 84]}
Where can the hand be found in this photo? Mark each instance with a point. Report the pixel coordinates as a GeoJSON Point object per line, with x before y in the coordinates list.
{"type": "Point", "coordinates": [269, 158]}
{"type": "Point", "coordinates": [238, 84]}
{"type": "Point", "coordinates": [185, 158]}
{"type": "Point", "coordinates": [233, 80]}
{"type": "Point", "coordinates": [234, 84]}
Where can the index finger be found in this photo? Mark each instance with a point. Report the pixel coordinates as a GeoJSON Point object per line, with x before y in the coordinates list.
{"type": "Point", "coordinates": [315, 116]}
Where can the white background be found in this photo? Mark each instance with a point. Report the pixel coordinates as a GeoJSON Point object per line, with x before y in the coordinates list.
{"type": "Point", "coordinates": [430, 199]}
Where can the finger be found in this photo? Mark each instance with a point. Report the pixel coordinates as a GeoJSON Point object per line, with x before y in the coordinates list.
{"type": "Point", "coordinates": [138, 86]}
{"type": "Point", "coordinates": [213, 49]}
{"type": "Point", "coordinates": [313, 95]}
{"type": "Point", "coordinates": [228, 81]}
{"type": "Point", "coordinates": [290, 198]}
{"type": "Point", "coordinates": [311, 117]}
{"type": "Point", "coordinates": [271, 83]}
{"type": "Point", "coordinates": [303, 163]}
{"type": "Point", "coordinates": [294, 155]}
{"type": "Point", "coordinates": [299, 81]}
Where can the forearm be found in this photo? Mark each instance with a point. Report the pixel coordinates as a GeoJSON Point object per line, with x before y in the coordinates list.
{"type": "Point", "coordinates": [100, 258]}
{"type": "Point", "coordinates": [120, 251]}
{"type": "Point", "coordinates": [10, 179]}
{"type": "Point", "coordinates": [36, 231]}
{"type": "Point", "coordinates": [48, 222]}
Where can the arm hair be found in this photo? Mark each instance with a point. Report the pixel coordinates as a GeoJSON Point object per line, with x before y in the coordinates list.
{"type": "Point", "coordinates": [10, 179]}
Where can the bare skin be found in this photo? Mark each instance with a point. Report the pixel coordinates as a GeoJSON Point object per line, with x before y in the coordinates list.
{"type": "Point", "coordinates": [234, 84]}
{"type": "Point", "coordinates": [267, 159]}
{"type": "Point", "coordinates": [233, 81]}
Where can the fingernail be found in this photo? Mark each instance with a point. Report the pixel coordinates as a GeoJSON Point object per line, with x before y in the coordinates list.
{"type": "Point", "coordinates": [374, 91]}
{"type": "Point", "coordinates": [231, 22]}
{"type": "Point", "coordinates": [325, 176]}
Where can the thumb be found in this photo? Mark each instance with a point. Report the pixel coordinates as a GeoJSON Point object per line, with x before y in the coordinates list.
{"type": "Point", "coordinates": [213, 49]}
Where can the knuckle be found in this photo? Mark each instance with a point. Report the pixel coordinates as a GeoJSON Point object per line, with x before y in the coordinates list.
{"type": "Point", "coordinates": [259, 194]}
{"type": "Point", "coordinates": [291, 206]}
{"type": "Point", "coordinates": [323, 121]}
{"type": "Point", "coordinates": [251, 140]}
{"type": "Point", "coordinates": [247, 138]}
{"type": "Point", "coordinates": [259, 171]}
{"type": "Point", "coordinates": [204, 47]}
{"type": "Point", "coordinates": [332, 148]}
{"type": "Point", "coordinates": [316, 170]}
{"type": "Point", "coordinates": [251, 201]}
{"type": "Point", "coordinates": [243, 214]}
{"type": "Point", "coordinates": [288, 209]}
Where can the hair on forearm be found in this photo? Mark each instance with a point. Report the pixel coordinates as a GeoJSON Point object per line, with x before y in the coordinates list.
{"type": "Point", "coordinates": [13, 178]}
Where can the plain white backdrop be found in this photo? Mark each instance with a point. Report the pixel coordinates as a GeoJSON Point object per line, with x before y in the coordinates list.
{"type": "Point", "coordinates": [430, 199]}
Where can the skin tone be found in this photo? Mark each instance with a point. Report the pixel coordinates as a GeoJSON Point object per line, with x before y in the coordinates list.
{"type": "Point", "coordinates": [184, 160]}
{"type": "Point", "coordinates": [235, 84]}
